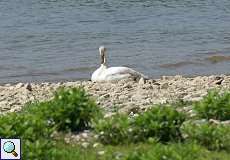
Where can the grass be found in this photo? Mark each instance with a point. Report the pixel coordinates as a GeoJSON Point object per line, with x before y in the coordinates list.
{"type": "Point", "coordinates": [160, 133]}
{"type": "Point", "coordinates": [142, 151]}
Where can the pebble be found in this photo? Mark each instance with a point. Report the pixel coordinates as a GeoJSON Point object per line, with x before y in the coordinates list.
{"type": "Point", "coordinates": [141, 81]}
{"type": "Point", "coordinates": [29, 87]}
{"type": "Point", "coordinates": [85, 144]}
{"type": "Point", "coordinates": [124, 95]}
{"type": "Point", "coordinates": [100, 153]}
{"type": "Point", "coordinates": [95, 145]}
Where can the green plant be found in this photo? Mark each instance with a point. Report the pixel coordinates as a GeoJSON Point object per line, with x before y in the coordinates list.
{"type": "Point", "coordinates": [39, 149]}
{"type": "Point", "coordinates": [212, 136]}
{"type": "Point", "coordinates": [169, 152]}
{"type": "Point", "coordinates": [34, 132]}
{"type": "Point", "coordinates": [162, 122]}
{"type": "Point", "coordinates": [113, 130]}
{"type": "Point", "coordinates": [70, 110]}
{"type": "Point", "coordinates": [25, 126]}
{"type": "Point", "coordinates": [214, 106]}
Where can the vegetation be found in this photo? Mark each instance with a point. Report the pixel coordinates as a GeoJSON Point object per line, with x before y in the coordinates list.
{"type": "Point", "coordinates": [160, 133]}
{"type": "Point", "coordinates": [162, 122]}
{"type": "Point", "coordinates": [114, 130]}
{"type": "Point", "coordinates": [214, 106]}
{"type": "Point", "coordinates": [69, 110]}
{"type": "Point", "coordinates": [34, 132]}
{"type": "Point", "coordinates": [218, 58]}
{"type": "Point", "coordinates": [169, 152]}
{"type": "Point", "coordinates": [212, 136]}
{"type": "Point", "coordinates": [142, 151]}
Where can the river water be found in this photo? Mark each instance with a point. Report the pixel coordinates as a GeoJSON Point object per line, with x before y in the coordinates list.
{"type": "Point", "coordinates": [55, 40]}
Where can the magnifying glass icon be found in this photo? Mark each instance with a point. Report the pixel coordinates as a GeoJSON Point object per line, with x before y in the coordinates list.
{"type": "Point", "coordinates": [9, 147]}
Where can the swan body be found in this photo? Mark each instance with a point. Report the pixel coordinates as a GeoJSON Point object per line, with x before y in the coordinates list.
{"type": "Point", "coordinates": [103, 73]}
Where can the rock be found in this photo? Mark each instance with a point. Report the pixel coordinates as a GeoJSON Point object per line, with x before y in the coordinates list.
{"type": "Point", "coordinates": [123, 97]}
{"type": "Point", "coordinates": [214, 121]}
{"type": "Point", "coordinates": [29, 87]}
{"type": "Point", "coordinates": [226, 122]}
{"type": "Point", "coordinates": [165, 78]}
{"type": "Point", "coordinates": [126, 96]}
{"type": "Point", "coordinates": [67, 139]}
{"type": "Point", "coordinates": [100, 153]}
{"type": "Point", "coordinates": [106, 96]}
{"type": "Point", "coordinates": [85, 144]}
{"type": "Point", "coordinates": [19, 85]}
{"type": "Point", "coordinates": [156, 83]}
{"type": "Point", "coordinates": [118, 155]}
{"type": "Point", "coordinates": [164, 86]}
{"type": "Point", "coordinates": [84, 135]}
{"type": "Point", "coordinates": [95, 145]}
{"type": "Point", "coordinates": [127, 86]}
{"type": "Point", "coordinates": [109, 114]}
{"type": "Point", "coordinates": [141, 81]}
{"type": "Point", "coordinates": [219, 81]}
{"type": "Point", "coordinates": [7, 85]}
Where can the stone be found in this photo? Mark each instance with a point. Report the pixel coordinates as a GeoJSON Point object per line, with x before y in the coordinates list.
{"type": "Point", "coordinates": [95, 145]}
{"type": "Point", "coordinates": [110, 114]}
{"type": "Point", "coordinates": [7, 85]}
{"type": "Point", "coordinates": [124, 95]}
{"type": "Point", "coordinates": [85, 144]}
{"type": "Point", "coordinates": [164, 86]}
{"type": "Point", "coordinates": [100, 153]}
{"type": "Point", "coordinates": [19, 85]}
{"type": "Point", "coordinates": [29, 87]}
{"type": "Point", "coordinates": [218, 82]}
{"type": "Point", "coordinates": [84, 135]}
{"type": "Point", "coordinates": [141, 81]}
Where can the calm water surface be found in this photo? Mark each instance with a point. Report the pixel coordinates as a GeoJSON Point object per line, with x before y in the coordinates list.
{"type": "Point", "coordinates": [53, 40]}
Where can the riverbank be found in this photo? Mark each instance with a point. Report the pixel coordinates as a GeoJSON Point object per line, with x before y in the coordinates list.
{"type": "Point", "coordinates": [123, 96]}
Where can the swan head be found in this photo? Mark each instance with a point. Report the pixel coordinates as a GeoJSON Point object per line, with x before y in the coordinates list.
{"type": "Point", "coordinates": [102, 51]}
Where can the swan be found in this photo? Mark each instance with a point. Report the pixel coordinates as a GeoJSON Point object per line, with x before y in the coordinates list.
{"type": "Point", "coordinates": [103, 73]}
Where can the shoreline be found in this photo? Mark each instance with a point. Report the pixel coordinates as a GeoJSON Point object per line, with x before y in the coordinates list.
{"type": "Point", "coordinates": [121, 96]}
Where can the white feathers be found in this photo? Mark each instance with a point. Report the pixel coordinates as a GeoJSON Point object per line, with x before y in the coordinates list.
{"type": "Point", "coordinates": [113, 73]}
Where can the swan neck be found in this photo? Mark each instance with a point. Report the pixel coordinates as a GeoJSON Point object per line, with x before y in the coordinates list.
{"type": "Point", "coordinates": [103, 58]}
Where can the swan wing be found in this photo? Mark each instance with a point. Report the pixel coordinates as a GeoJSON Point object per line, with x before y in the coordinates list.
{"type": "Point", "coordinates": [115, 73]}
{"type": "Point", "coordinates": [98, 74]}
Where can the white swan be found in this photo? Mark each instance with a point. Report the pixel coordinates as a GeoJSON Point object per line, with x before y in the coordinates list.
{"type": "Point", "coordinates": [113, 73]}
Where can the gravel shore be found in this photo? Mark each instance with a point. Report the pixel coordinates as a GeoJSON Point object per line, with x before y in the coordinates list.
{"type": "Point", "coordinates": [122, 96]}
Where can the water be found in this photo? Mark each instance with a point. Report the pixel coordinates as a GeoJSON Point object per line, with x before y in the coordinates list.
{"type": "Point", "coordinates": [55, 40]}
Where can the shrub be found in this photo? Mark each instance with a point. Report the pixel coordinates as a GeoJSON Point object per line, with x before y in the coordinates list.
{"type": "Point", "coordinates": [113, 130]}
{"type": "Point", "coordinates": [162, 122]}
{"type": "Point", "coordinates": [39, 149]}
{"type": "Point", "coordinates": [34, 132]}
{"type": "Point", "coordinates": [212, 136]}
{"type": "Point", "coordinates": [25, 126]}
{"type": "Point", "coordinates": [214, 106]}
{"type": "Point", "coordinates": [69, 110]}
